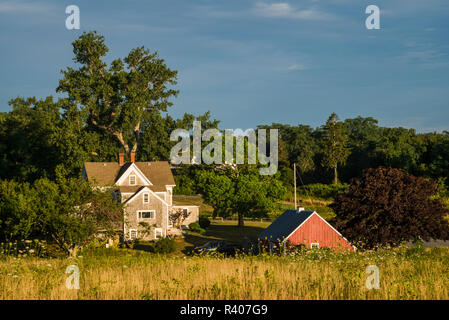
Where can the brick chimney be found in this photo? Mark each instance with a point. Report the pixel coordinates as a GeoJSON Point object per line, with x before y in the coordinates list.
{"type": "Point", "coordinates": [133, 157]}
{"type": "Point", "coordinates": [121, 159]}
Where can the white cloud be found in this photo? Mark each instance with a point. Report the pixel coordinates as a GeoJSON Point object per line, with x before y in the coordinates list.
{"type": "Point", "coordinates": [285, 10]}
{"type": "Point", "coordinates": [422, 55]}
{"type": "Point", "coordinates": [295, 67]}
{"type": "Point", "coordinates": [22, 7]}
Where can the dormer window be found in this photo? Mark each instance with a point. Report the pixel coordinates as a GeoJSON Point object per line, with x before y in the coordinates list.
{"type": "Point", "coordinates": [132, 180]}
{"type": "Point", "coordinates": [146, 198]}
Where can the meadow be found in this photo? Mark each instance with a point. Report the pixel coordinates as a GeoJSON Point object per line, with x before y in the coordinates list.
{"type": "Point", "coordinates": [414, 273]}
{"type": "Point", "coordinates": [118, 273]}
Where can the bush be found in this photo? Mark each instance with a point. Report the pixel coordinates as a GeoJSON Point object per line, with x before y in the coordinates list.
{"type": "Point", "coordinates": [24, 248]}
{"type": "Point", "coordinates": [184, 185]}
{"type": "Point", "coordinates": [165, 245]}
{"type": "Point", "coordinates": [204, 222]}
{"type": "Point", "coordinates": [195, 227]}
{"type": "Point", "coordinates": [401, 206]}
{"type": "Point", "coordinates": [323, 191]}
{"type": "Point", "coordinates": [417, 249]}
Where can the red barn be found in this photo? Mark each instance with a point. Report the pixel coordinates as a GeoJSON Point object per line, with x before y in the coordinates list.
{"type": "Point", "coordinates": [295, 227]}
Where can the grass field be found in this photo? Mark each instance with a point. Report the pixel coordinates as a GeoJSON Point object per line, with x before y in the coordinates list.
{"type": "Point", "coordinates": [131, 274]}
{"type": "Point", "coordinates": [316, 274]}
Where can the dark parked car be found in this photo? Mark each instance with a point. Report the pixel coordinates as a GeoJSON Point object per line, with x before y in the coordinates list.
{"type": "Point", "coordinates": [219, 247]}
{"type": "Point", "coordinates": [230, 249]}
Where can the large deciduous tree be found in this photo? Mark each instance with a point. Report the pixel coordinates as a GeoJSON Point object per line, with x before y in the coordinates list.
{"type": "Point", "coordinates": [240, 190]}
{"type": "Point", "coordinates": [389, 206]}
{"type": "Point", "coordinates": [68, 212]}
{"type": "Point", "coordinates": [334, 144]}
{"type": "Point", "coordinates": [118, 99]}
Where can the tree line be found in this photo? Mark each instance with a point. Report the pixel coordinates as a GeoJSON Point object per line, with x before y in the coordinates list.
{"type": "Point", "coordinates": [356, 144]}
{"type": "Point", "coordinates": [107, 108]}
{"type": "Point", "coordinates": [121, 107]}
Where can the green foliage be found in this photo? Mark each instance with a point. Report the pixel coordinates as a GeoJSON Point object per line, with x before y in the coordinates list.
{"type": "Point", "coordinates": [195, 227]}
{"type": "Point", "coordinates": [204, 222]}
{"type": "Point", "coordinates": [165, 245]}
{"type": "Point", "coordinates": [185, 185]}
{"type": "Point", "coordinates": [334, 142]}
{"type": "Point", "coordinates": [67, 212]}
{"type": "Point", "coordinates": [416, 250]}
{"type": "Point", "coordinates": [322, 191]}
{"type": "Point", "coordinates": [216, 190]}
{"type": "Point", "coordinates": [24, 248]}
{"type": "Point", "coordinates": [108, 109]}
{"type": "Point", "coordinates": [119, 98]}
{"type": "Point", "coordinates": [18, 217]}
{"type": "Point", "coordinates": [241, 190]}
{"type": "Point", "coordinates": [121, 105]}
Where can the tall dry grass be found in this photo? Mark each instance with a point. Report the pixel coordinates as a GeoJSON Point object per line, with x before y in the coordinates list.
{"type": "Point", "coordinates": [125, 274]}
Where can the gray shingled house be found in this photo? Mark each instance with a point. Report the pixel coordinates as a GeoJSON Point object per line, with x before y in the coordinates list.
{"type": "Point", "coordinates": [146, 190]}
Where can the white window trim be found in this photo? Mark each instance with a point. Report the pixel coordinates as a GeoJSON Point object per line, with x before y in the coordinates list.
{"type": "Point", "coordinates": [169, 223]}
{"type": "Point", "coordinates": [138, 211]}
{"type": "Point", "coordinates": [311, 245]}
{"type": "Point", "coordinates": [130, 231]}
{"type": "Point", "coordinates": [160, 230]}
{"type": "Point", "coordinates": [135, 180]}
{"type": "Point", "coordinates": [133, 168]}
{"type": "Point", "coordinates": [136, 195]}
{"type": "Point", "coordinates": [143, 197]}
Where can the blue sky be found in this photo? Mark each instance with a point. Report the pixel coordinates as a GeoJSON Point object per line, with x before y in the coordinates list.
{"type": "Point", "coordinates": [253, 62]}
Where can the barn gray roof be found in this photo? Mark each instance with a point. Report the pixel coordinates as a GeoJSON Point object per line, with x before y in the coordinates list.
{"type": "Point", "coordinates": [285, 224]}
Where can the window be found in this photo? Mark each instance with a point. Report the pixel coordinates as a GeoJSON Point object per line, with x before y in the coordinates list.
{"type": "Point", "coordinates": [132, 180]}
{"type": "Point", "coordinates": [314, 245]}
{"type": "Point", "coordinates": [146, 198]}
{"type": "Point", "coordinates": [185, 211]}
{"type": "Point", "coordinates": [151, 214]}
{"type": "Point", "coordinates": [158, 233]}
{"type": "Point", "coordinates": [132, 234]}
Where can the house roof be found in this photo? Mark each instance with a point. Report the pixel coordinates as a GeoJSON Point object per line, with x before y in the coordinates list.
{"type": "Point", "coordinates": [142, 189]}
{"type": "Point", "coordinates": [285, 224]}
{"type": "Point", "coordinates": [134, 189]}
{"type": "Point", "coordinates": [107, 173]}
{"type": "Point", "coordinates": [129, 189]}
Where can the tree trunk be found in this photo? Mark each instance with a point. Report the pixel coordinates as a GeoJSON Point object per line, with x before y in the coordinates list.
{"type": "Point", "coordinates": [137, 135]}
{"type": "Point", "coordinates": [335, 175]}
{"type": "Point", "coordinates": [241, 223]}
{"type": "Point", "coordinates": [116, 134]}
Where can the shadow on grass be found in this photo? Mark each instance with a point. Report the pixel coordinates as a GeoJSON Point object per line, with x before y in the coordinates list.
{"type": "Point", "coordinates": [232, 234]}
{"type": "Point", "coordinates": [144, 247]}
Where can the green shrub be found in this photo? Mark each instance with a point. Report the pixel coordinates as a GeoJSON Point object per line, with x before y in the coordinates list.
{"type": "Point", "coordinates": [323, 191]}
{"type": "Point", "coordinates": [185, 185]}
{"type": "Point", "coordinates": [23, 248]}
{"type": "Point", "coordinates": [417, 249]}
{"type": "Point", "coordinates": [204, 222]}
{"type": "Point", "coordinates": [195, 227]}
{"type": "Point", "coordinates": [165, 245]}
